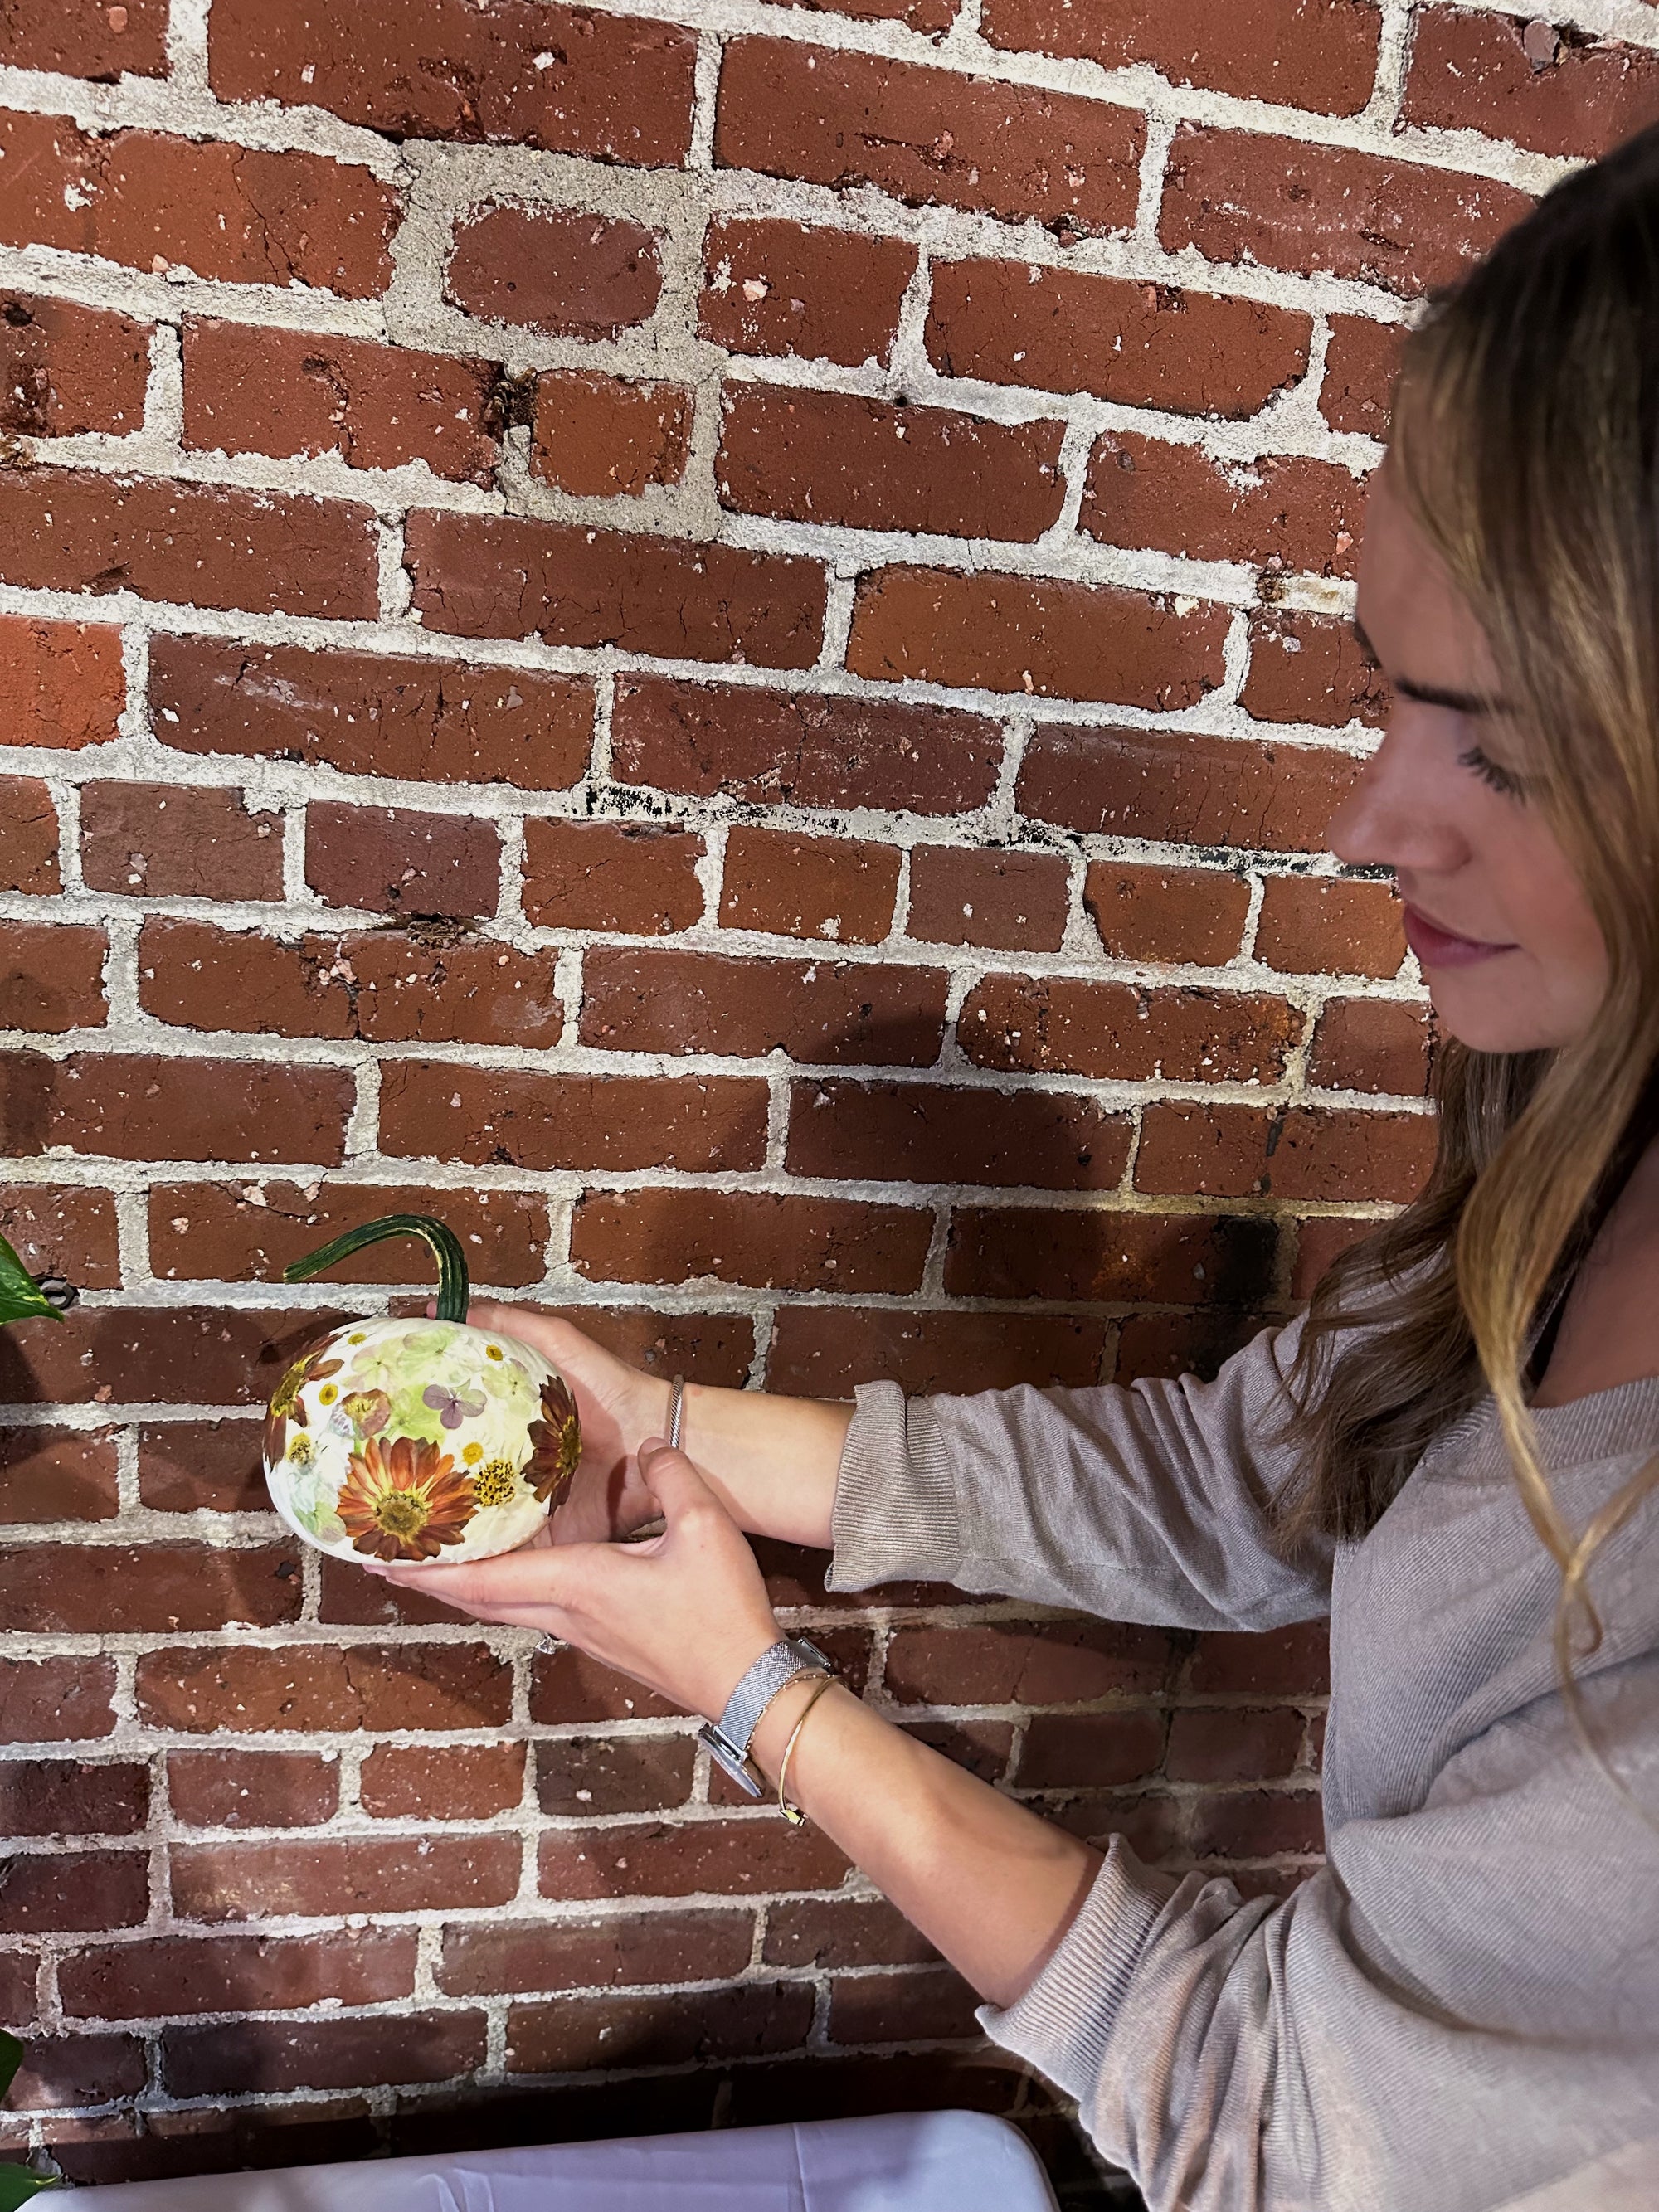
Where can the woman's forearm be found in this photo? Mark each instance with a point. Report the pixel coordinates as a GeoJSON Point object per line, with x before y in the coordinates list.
{"type": "Point", "coordinates": [772, 1462]}
{"type": "Point", "coordinates": [992, 1886]}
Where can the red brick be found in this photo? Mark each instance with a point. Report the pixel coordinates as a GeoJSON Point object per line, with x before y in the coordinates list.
{"type": "Point", "coordinates": [72, 1890]}
{"type": "Point", "coordinates": [248, 1232]}
{"type": "Point", "coordinates": [566, 1685]}
{"type": "Point", "coordinates": [72, 1797]}
{"type": "Point", "coordinates": [819, 1352]}
{"type": "Point", "coordinates": [79, 2070]}
{"type": "Point", "coordinates": [783, 288]}
{"type": "Point", "coordinates": [1183, 789]}
{"type": "Point", "coordinates": [56, 1701]}
{"type": "Point", "coordinates": [1284, 1663]}
{"type": "Point", "coordinates": [822, 1012]}
{"type": "Point", "coordinates": [1280, 510]}
{"type": "Point", "coordinates": [1329, 925]}
{"type": "Point", "coordinates": [51, 977]}
{"type": "Point", "coordinates": [562, 79]}
{"type": "Point", "coordinates": [929, 137]}
{"type": "Point", "coordinates": [186, 1466]}
{"type": "Point", "coordinates": [805, 750]}
{"type": "Point", "coordinates": [162, 841]}
{"type": "Point", "coordinates": [1098, 1256]}
{"type": "Point", "coordinates": [348, 1597]}
{"type": "Point", "coordinates": [583, 1776]}
{"type": "Point", "coordinates": [229, 213]}
{"type": "Point", "coordinates": [1257, 1824]}
{"type": "Point", "coordinates": [518, 1118]}
{"type": "Point", "coordinates": [854, 1931]}
{"type": "Point", "coordinates": [1062, 1025]}
{"type": "Point", "coordinates": [485, 575]}
{"type": "Point", "coordinates": [209, 545]}
{"type": "Point", "coordinates": [1165, 1346]}
{"type": "Point", "coordinates": [481, 1960]}
{"type": "Point", "coordinates": [462, 1782]}
{"type": "Point", "coordinates": [578, 2034]}
{"type": "Point", "coordinates": [391, 860]}
{"type": "Point", "coordinates": [19, 2003]}
{"type": "Point", "coordinates": [1318, 1242]}
{"type": "Point", "coordinates": [65, 368]}
{"type": "Point", "coordinates": [238, 2057]}
{"type": "Point", "coordinates": [144, 1355]}
{"type": "Point", "coordinates": [1050, 640]}
{"type": "Point", "coordinates": [250, 388]}
{"type": "Point", "coordinates": [119, 2147]}
{"type": "Point", "coordinates": [1140, 345]}
{"type": "Point", "coordinates": [314, 1686]}
{"type": "Point", "coordinates": [1552, 89]}
{"type": "Point", "coordinates": [1023, 1662]}
{"type": "Point", "coordinates": [736, 1236]}
{"type": "Point", "coordinates": [65, 679]}
{"type": "Point", "coordinates": [1174, 914]}
{"type": "Point", "coordinates": [170, 1974]}
{"type": "Point", "coordinates": [29, 837]}
{"type": "Point", "coordinates": [1373, 1044]}
{"type": "Point", "coordinates": [598, 436]}
{"type": "Point", "coordinates": [1304, 668]}
{"type": "Point", "coordinates": [422, 721]}
{"type": "Point", "coordinates": [386, 986]}
{"type": "Point", "coordinates": [1070, 1751]}
{"type": "Point", "coordinates": [127, 1106]}
{"type": "Point", "coordinates": [930, 1133]}
{"type": "Point", "coordinates": [734, 1858]}
{"type": "Point", "coordinates": [837, 889]}
{"type": "Point", "coordinates": [1233, 1745]}
{"type": "Point", "coordinates": [1018, 902]}
{"type": "Point", "coordinates": [1320, 54]}
{"type": "Point", "coordinates": [57, 1474]}
{"type": "Point", "coordinates": [134, 1589]}
{"type": "Point", "coordinates": [868, 465]}
{"type": "Point", "coordinates": [1303, 1152]}
{"type": "Point", "coordinates": [85, 41]}
{"type": "Point", "coordinates": [931, 17]}
{"type": "Point", "coordinates": [558, 270]}
{"type": "Point", "coordinates": [1360, 363]}
{"type": "Point", "coordinates": [1240, 195]}
{"type": "Point", "coordinates": [251, 1790]}
{"type": "Point", "coordinates": [636, 876]}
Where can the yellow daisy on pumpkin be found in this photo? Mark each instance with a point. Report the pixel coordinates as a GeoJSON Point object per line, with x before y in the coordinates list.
{"type": "Point", "coordinates": [556, 1439]}
{"type": "Point", "coordinates": [404, 1499]}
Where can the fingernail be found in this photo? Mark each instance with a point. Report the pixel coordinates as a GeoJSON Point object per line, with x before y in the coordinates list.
{"type": "Point", "coordinates": [653, 1443]}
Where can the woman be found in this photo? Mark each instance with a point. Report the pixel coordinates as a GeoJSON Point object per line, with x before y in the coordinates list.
{"type": "Point", "coordinates": [1462, 2011]}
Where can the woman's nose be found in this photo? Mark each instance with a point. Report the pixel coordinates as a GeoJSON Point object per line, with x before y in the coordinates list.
{"type": "Point", "coordinates": [1401, 813]}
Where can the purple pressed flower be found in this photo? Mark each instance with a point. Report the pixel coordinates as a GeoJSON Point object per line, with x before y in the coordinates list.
{"type": "Point", "coordinates": [452, 1406]}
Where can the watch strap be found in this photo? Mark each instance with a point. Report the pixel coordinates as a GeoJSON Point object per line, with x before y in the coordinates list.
{"type": "Point", "coordinates": [728, 1739]}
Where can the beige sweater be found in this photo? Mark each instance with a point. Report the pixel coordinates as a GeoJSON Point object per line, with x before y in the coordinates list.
{"type": "Point", "coordinates": [1460, 2012]}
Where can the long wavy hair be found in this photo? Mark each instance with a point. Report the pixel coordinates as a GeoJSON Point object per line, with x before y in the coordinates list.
{"type": "Point", "coordinates": [1526, 447]}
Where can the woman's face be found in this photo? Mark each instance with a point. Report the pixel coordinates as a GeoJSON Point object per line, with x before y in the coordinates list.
{"type": "Point", "coordinates": [1500, 924]}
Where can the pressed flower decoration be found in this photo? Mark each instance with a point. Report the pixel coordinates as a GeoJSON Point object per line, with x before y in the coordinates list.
{"type": "Point", "coordinates": [417, 1440]}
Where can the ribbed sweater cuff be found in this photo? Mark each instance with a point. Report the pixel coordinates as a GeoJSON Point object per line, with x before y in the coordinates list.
{"type": "Point", "coordinates": [895, 1517]}
{"type": "Point", "coordinates": [1065, 2020]}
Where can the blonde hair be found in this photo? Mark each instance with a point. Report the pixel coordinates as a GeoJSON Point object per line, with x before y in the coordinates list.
{"type": "Point", "coordinates": [1526, 447]}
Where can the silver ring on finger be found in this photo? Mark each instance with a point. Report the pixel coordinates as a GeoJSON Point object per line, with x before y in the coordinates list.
{"type": "Point", "coordinates": [548, 1644]}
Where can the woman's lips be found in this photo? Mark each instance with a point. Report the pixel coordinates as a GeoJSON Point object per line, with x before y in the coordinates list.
{"type": "Point", "coordinates": [1440, 948]}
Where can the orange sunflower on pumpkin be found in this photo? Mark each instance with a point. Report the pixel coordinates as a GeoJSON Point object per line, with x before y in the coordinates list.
{"type": "Point", "coordinates": [404, 1499]}
{"type": "Point", "coordinates": [556, 1444]}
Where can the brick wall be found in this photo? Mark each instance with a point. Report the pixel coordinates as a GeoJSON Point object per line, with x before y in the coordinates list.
{"type": "Point", "coordinates": [713, 641]}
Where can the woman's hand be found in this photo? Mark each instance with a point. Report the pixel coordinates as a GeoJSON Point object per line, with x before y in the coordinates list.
{"type": "Point", "coordinates": [619, 1408]}
{"type": "Point", "coordinates": [685, 1612]}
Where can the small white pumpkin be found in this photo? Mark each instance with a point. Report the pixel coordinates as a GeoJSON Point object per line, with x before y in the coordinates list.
{"type": "Point", "coordinates": [417, 1440]}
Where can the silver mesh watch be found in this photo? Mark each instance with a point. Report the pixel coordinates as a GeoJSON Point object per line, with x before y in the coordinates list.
{"type": "Point", "coordinates": [728, 1739]}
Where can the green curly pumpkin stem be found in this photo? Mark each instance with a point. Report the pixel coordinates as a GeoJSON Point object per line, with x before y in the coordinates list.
{"type": "Point", "coordinates": [453, 1289]}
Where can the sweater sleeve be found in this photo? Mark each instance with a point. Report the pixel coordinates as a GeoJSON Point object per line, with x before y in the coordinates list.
{"type": "Point", "coordinates": [1146, 1504]}
{"type": "Point", "coordinates": [1449, 2015]}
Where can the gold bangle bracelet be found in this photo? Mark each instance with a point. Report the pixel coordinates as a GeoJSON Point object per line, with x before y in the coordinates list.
{"type": "Point", "coordinates": [793, 1814]}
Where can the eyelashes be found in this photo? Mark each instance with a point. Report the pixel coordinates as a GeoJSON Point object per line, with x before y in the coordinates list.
{"type": "Point", "coordinates": [1491, 773]}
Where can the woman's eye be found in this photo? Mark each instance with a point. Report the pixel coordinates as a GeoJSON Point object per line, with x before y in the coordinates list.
{"type": "Point", "coordinates": [1489, 772]}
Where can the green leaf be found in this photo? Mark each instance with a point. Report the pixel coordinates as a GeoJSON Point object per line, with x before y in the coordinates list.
{"type": "Point", "coordinates": [20, 1299]}
{"type": "Point", "coordinates": [18, 2184]}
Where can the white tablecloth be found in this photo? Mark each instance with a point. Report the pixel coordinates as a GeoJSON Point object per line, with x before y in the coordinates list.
{"type": "Point", "coordinates": [901, 2162]}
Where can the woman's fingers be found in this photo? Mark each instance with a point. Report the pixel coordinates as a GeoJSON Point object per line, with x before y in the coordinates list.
{"type": "Point", "coordinates": [540, 1575]}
